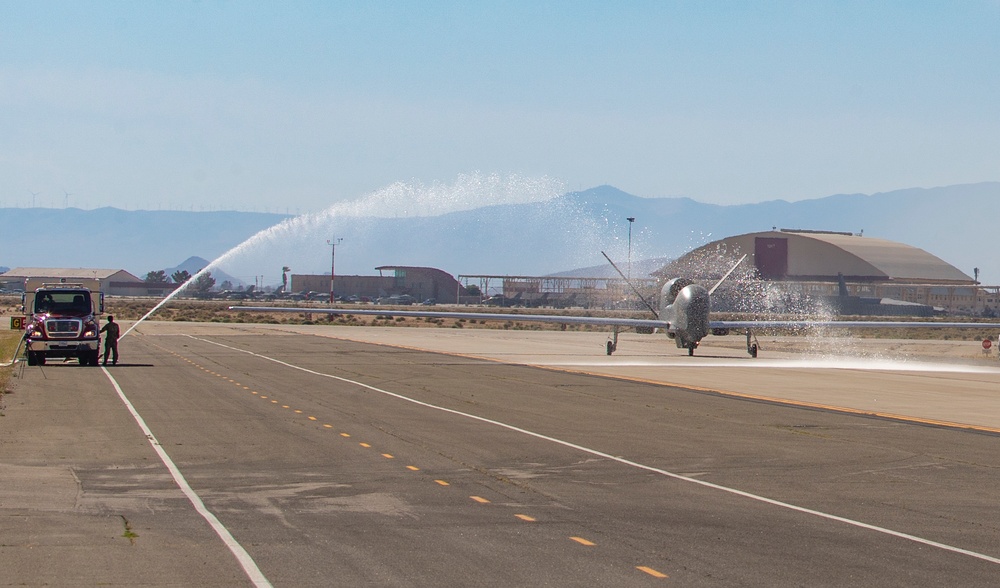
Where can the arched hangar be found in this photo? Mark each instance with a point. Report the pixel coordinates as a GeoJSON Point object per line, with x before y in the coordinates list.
{"type": "Point", "coordinates": [835, 264]}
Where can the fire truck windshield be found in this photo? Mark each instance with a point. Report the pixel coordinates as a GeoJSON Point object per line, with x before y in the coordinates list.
{"type": "Point", "coordinates": [74, 302]}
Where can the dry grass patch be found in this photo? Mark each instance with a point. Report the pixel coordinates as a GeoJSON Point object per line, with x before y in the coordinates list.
{"type": "Point", "coordinates": [8, 345]}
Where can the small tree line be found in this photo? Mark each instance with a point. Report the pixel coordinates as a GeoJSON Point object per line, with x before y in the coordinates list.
{"type": "Point", "coordinates": [202, 283]}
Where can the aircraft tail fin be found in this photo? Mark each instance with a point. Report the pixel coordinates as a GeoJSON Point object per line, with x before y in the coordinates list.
{"type": "Point", "coordinates": [731, 270]}
{"type": "Point", "coordinates": [632, 286]}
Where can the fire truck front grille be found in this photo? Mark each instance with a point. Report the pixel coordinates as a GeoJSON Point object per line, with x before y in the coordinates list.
{"type": "Point", "coordinates": [64, 328]}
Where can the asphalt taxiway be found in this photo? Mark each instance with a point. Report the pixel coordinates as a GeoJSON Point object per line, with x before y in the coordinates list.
{"type": "Point", "coordinates": [950, 382]}
{"type": "Point", "coordinates": [318, 455]}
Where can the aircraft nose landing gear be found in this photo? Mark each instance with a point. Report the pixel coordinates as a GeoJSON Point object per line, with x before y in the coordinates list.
{"type": "Point", "coordinates": [751, 343]}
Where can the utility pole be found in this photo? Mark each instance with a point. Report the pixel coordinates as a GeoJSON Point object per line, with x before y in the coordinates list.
{"type": "Point", "coordinates": [333, 261]}
{"type": "Point", "coordinates": [630, 220]}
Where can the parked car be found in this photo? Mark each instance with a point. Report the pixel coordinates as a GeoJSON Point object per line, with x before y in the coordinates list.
{"type": "Point", "coordinates": [398, 300]}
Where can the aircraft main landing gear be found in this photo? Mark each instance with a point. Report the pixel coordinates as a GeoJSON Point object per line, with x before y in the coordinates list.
{"type": "Point", "coordinates": [613, 344]}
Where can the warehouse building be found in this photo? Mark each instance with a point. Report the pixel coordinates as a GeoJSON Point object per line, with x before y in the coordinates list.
{"type": "Point", "coordinates": [417, 283]}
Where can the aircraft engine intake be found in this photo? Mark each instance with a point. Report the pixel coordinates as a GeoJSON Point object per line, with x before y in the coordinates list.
{"type": "Point", "coordinates": [688, 314]}
{"type": "Point", "coordinates": [671, 289]}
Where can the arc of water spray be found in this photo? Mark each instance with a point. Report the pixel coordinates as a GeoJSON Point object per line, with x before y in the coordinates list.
{"type": "Point", "coordinates": [259, 237]}
{"type": "Point", "coordinates": [469, 191]}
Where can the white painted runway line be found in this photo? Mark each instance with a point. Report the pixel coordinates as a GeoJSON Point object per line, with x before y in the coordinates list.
{"type": "Point", "coordinates": [624, 461]}
{"type": "Point", "coordinates": [246, 562]}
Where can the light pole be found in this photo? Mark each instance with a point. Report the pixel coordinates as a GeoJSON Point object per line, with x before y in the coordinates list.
{"type": "Point", "coordinates": [333, 260]}
{"type": "Point", "coordinates": [630, 220]}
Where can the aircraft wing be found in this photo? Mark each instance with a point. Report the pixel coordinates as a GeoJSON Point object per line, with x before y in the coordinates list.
{"type": "Point", "coordinates": [487, 316]}
{"type": "Point", "coordinates": [847, 325]}
{"type": "Point", "coordinates": [623, 322]}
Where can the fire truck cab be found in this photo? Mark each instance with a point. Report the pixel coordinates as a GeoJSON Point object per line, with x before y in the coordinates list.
{"type": "Point", "coordinates": [62, 320]}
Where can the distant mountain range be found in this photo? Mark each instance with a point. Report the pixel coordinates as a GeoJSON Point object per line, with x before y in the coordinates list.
{"type": "Point", "coordinates": [195, 264]}
{"type": "Point", "coordinates": [959, 224]}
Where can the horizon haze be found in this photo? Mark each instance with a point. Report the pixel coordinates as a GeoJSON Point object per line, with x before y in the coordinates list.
{"type": "Point", "coordinates": [469, 228]}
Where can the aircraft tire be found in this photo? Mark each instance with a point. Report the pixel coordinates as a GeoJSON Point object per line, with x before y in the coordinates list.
{"type": "Point", "coordinates": [753, 350]}
{"type": "Point", "coordinates": [611, 347]}
{"type": "Point", "coordinates": [691, 349]}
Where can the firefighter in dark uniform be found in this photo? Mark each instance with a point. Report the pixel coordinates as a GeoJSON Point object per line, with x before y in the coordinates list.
{"type": "Point", "coordinates": [111, 340]}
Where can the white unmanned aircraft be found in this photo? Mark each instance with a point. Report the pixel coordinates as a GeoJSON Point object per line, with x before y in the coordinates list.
{"type": "Point", "coordinates": [683, 315]}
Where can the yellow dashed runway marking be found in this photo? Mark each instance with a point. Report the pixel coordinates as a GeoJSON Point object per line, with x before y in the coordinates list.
{"type": "Point", "coordinates": [478, 499]}
{"type": "Point", "coordinates": [652, 572]}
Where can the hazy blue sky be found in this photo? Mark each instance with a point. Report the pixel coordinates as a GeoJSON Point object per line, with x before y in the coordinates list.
{"type": "Point", "coordinates": [292, 106]}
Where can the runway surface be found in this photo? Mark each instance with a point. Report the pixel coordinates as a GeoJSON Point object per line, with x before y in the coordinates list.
{"type": "Point", "coordinates": [318, 456]}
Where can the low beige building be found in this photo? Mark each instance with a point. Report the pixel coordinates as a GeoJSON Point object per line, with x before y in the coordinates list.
{"type": "Point", "coordinates": [114, 282]}
{"type": "Point", "coordinates": [421, 283]}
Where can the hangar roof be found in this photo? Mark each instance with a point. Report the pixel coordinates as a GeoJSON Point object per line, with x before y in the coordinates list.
{"type": "Point", "coordinates": [69, 273]}
{"type": "Point", "coordinates": [825, 255]}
